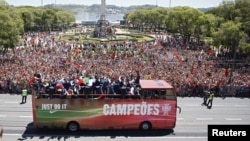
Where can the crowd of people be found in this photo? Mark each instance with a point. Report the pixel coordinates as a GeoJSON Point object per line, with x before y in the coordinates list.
{"type": "Point", "coordinates": [191, 69]}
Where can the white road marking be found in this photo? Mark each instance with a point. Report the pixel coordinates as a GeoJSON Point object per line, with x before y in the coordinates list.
{"type": "Point", "coordinates": [192, 105]}
{"type": "Point", "coordinates": [233, 119]}
{"type": "Point", "coordinates": [25, 116]}
{"type": "Point", "coordinates": [204, 118]}
{"type": "Point", "coordinates": [180, 118]}
{"type": "Point", "coordinates": [241, 105]}
{"type": "Point", "coordinates": [219, 105]}
{"type": "Point", "coordinates": [3, 115]}
{"type": "Point", "coordinates": [11, 102]}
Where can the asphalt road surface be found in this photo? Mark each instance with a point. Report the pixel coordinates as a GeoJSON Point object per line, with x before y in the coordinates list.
{"type": "Point", "coordinates": [192, 122]}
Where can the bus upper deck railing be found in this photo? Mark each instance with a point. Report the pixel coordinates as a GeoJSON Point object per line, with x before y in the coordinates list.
{"type": "Point", "coordinates": [143, 94]}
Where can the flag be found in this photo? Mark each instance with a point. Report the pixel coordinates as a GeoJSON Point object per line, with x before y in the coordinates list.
{"type": "Point", "coordinates": [170, 55]}
{"type": "Point", "coordinates": [77, 66]}
{"type": "Point", "coordinates": [181, 58]}
{"type": "Point", "coordinates": [209, 51]}
{"type": "Point", "coordinates": [226, 72]}
{"type": "Point", "coordinates": [113, 56]}
{"type": "Point", "coordinates": [100, 96]}
{"type": "Point", "coordinates": [192, 69]}
{"type": "Point", "coordinates": [31, 81]}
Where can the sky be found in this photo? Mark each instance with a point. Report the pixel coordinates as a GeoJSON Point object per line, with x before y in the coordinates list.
{"type": "Point", "coordinates": [163, 3]}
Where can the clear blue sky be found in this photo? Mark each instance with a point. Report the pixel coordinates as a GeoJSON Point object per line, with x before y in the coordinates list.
{"type": "Point", "coordinates": [164, 3]}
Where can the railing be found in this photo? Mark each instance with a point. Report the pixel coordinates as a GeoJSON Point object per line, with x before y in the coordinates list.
{"type": "Point", "coordinates": [225, 91]}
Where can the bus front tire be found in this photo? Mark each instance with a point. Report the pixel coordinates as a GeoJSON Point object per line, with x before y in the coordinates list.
{"type": "Point", "coordinates": [145, 126]}
{"type": "Point", "coordinates": [73, 126]}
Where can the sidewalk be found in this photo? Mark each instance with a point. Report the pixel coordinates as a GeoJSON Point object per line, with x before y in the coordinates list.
{"type": "Point", "coordinates": [119, 31]}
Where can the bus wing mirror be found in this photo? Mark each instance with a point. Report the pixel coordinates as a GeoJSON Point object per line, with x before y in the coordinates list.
{"type": "Point", "coordinates": [178, 107]}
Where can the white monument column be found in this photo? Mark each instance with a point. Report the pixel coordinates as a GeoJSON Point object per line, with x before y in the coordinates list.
{"type": "Point", "coordinates": [103, 10]}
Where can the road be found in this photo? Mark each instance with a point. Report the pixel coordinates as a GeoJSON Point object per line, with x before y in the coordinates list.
{"type": "Point", "coordinates": [192, 122]}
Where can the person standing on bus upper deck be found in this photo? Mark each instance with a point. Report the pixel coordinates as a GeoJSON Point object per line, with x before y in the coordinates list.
{"type": "Point", "coordinates": [59, 87]}
{"type": "Point", "coordinates": [112, 87]}
{"type": "Point", "coordinates": [38, 82]}
{"type": "Point", "coordinates": [137, 78]}
{"type": "Point", "coordinates": [80, 85]}
{"type": "Point", "coordinates": [121, 81]}
{"type": "Point", "coordinates": [105, 84]}
{"type": "Point", "coordinates": [133, 90]}
{"type": "Point", "coordinates": [127, 84]}
{"type": "Point", "coordinates": [90, 84]}
{"type": "Point", "coordinates": [77, 82]}
{"type": "Point", "coordinates": [97, 85]}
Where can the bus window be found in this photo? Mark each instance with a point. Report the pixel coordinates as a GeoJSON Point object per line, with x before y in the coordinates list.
{"type": "Point", "coordinates": [146, 94]}
{"type": "Point", "coordinates": [154, 94]}
{"type": "Point", "coordinates": [170, 95]}
{"type": "Point", "coordinates": [162, 94]}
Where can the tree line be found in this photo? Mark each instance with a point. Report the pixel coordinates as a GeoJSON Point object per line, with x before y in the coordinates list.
{"type": "Point", "coordinates": [228, 24]}
{"type": "Point", "coordinates": [15, 21]}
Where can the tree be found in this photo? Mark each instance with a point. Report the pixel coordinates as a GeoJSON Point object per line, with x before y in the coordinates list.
{"type": "Point", "coordinates": [137, 18]}
{"type": "Point", "coordinates": [10, 27]}
{"type": "Point", "coordinates": [27, 17]}
{"type": "Point", "coordinates": [156, 17]}
{"type": "Point", "coordinates": [185, 20]}
{"type": "Point", "coordinates": [229, 36]}
{"type": "Point", "coordinates": [48, 18]}
{"type": "Point", "coordinates": [64, 18]}
{"type": "Point", "coordinates": [236, 11]}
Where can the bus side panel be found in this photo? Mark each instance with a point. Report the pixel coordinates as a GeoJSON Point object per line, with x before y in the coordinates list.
{"type": "Point", "coordinates": [105, 114]}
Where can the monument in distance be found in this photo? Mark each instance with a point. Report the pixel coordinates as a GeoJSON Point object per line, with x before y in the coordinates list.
{"type": "Point", "coordinates": [103, 28]}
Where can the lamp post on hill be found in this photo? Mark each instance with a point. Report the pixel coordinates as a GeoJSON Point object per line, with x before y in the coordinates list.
{"type": "Point", "coordinates": [55, 4]}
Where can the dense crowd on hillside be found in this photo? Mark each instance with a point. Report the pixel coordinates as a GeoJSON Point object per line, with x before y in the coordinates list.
{"type": "Point", "coordinates": [191, 71]}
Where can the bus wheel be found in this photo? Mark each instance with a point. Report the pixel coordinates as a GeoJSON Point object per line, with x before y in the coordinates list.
{"type": "Point", "coordinates": [145, 126]}
{"type": "Point", "coordinates": [73, 126]}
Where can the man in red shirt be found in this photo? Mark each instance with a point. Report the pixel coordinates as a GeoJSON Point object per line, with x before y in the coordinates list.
{"type": "Point", "coordinates": [31, 81]}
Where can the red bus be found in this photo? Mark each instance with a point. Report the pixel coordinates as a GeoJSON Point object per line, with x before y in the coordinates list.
{"type": "Point", "coordinates": [153, 107]}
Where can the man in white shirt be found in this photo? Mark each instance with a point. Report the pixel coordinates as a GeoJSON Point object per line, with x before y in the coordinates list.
{"type": "Point", "coordinates": [90, 84]}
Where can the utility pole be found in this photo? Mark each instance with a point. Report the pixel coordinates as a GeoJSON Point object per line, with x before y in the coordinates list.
{"type": "Point", "coordinates": [55, 4]}
{"type": "Point", "coordinates": [169, 3]}
{"type": "Point", "coordinates": [234, 45]}
{"type": "Point", "coordinates": [42, 3]}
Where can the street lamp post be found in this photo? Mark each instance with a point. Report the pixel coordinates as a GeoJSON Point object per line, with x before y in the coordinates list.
{"type": "Point", "coordinates": [234, 45]}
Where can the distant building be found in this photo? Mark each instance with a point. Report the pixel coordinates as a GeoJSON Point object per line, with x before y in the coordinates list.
{"type": "Point", "coordinates": [123, 22]}
{"type": "Point", "coordinates": [88, 23]}
{"type": "Point", "coordinates": [115, 23]}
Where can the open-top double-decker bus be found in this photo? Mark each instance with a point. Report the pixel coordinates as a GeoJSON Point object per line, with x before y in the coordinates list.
{"type": "Point", "coordinates": [154, 106]}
